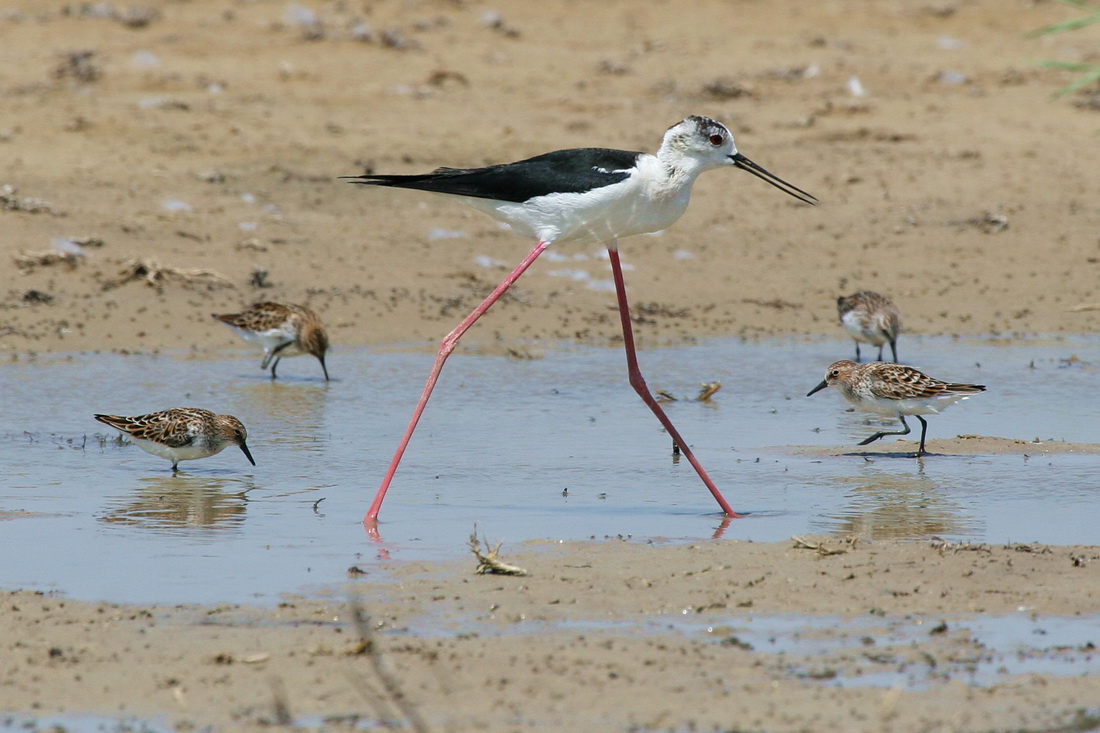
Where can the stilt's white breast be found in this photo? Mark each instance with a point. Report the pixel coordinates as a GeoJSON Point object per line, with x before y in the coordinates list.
{"type": "Point", "coordinates": [649, 200]}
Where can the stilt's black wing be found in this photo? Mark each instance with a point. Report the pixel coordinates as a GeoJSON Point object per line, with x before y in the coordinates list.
{"type": "Point", "coordinates": [564, 171]}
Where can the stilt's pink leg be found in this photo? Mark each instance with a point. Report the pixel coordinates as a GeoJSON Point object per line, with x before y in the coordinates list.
{"type": "Point", "coordinates": [445, 349]}
{"type": "Point", "coordinates": [637, 381]}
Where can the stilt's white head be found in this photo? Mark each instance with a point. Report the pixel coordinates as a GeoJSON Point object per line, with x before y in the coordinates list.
{"type": "Point", "coordinates": [697, 144]}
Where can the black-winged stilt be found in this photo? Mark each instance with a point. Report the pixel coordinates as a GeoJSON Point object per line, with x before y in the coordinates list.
{"type": "Point", "coordinates": [583, 196]}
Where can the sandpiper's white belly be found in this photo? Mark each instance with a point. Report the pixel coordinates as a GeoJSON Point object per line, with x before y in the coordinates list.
{"type": "Point", "coordinates": [273, 338]}
{"type": "Point", "coordinates": [199, 448]}
{"type": "Point", "coordinates": [854, 325]}
{"type": "Point", "coordinates": [915, 406]}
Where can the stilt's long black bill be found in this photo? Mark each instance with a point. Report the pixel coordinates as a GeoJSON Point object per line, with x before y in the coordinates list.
{"type": "Point", "coordinates": [247, 454]}
{"type": "Point", "coordinates": [747, 165]}
{"type": "Point", "coordinates": [818, 388]}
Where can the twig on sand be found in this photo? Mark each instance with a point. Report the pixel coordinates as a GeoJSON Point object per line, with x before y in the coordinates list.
{"type": "Point", "coordinates": [27, 261]}
{"type": "Point", "coordinates": [10, 201]}
{"type": "Point", "coordinates": [943, 546]}
{"type": "Point", "coordinates": [801, 543]}
{"type": "Point", "coordinates": [391, 692]}
{"type": "Point", "coordinates": [489, 561]}
{"type": "Point", "coordinates": [155, 274]}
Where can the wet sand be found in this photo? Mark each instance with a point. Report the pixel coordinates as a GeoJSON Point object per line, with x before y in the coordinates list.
{"type": "Point", "coordinates": [599, 636]}
{"type": "Point", "coordinates": [188, 153]}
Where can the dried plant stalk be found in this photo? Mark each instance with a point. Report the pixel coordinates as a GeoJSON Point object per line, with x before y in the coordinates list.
{"type": "Point", "coordinates": [489, 561]}
{"type": "Point", "coordinates": [155, 274]}
{"type": "Point", "coordinates": [28, 261]}
{"type": "Point", "coordinates": [801, 543]}
{"type": "Point", "coordinates": [707, 390]}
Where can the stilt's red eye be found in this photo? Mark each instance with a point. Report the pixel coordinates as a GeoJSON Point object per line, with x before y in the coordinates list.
{"type": "Point", "coordinates": [717, 140]}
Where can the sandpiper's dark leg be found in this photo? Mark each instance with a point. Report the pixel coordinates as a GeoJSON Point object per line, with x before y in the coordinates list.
{"type": "Point", "coordinates": [884, 433]}
{"type": "Point", "coordinates": [894, 348]}
{"type": "Point", "coordinates": [637, 381]}
{"type": "Point", "coordinates": [923, 431]}
{"type": "Point", "coordinates": [857, 353]}
{"type": "Point", "coordinates": [880, 352]}
{"type": "Point", "coordinates": [445, 349]}
{"type": "Point", "coordinates": [276, 355]}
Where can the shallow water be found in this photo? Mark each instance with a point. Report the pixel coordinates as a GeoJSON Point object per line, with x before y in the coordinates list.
{"type": "Point", "coordinates": [901, 652]}
{"type": "Point", "coordinates": [557, 447]}
{"type": "Point", "coordinates": [83, 723]}
{"type": "Point", "coordinates": [909, 651]}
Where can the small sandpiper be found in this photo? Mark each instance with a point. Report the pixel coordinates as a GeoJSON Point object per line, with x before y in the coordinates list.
{"type": "Point", "coordinates": [182, 433]}
{"type": "Point", "coordinates": [894, 390]}
{"type": "Point", "coordinates": [282, 329]}
{"type": "Point", "coordinates": [870, 318]}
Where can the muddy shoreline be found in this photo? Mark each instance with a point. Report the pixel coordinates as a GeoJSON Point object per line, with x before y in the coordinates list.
{"type": "Point", "coordinates": [878, 635]}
